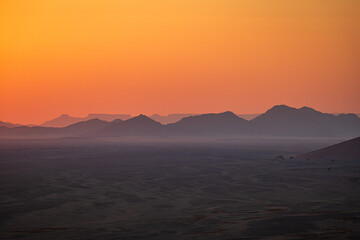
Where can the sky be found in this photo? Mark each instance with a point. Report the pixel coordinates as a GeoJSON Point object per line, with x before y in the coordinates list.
{"type": "Point", "coordinates": [180, 56]}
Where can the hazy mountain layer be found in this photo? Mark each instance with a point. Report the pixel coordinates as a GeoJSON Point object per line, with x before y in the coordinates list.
{"type": "Point", "coordinates": [280, 120]}
{"type": "Point", "coordinates": [9, 125]}
{"type": "Point", "coordinates": [66, 120]}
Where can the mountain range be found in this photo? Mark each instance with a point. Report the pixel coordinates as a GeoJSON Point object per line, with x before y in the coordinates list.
{"type": "Point", "coordinates": [65, 120]}
{"type": "Point", "coordinates": [9, 125]}
{"type": "Point", "coordinates": [280, 120]}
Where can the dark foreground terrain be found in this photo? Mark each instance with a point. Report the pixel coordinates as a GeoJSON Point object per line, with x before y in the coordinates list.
{"type": "Point", "coordinates": [224, 189]}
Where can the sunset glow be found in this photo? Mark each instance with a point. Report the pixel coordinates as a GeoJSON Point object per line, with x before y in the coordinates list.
{"type": "Point", "coordinates": [180, 56]}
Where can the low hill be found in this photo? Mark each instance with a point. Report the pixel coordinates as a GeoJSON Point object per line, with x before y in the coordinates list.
{"type": "Point", "coordinates": [348, 150]}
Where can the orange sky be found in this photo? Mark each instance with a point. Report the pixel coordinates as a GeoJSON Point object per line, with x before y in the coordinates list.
{"type": "Point", "coordinates": [179, 56]}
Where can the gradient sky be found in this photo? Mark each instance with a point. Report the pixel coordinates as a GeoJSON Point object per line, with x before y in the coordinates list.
{"type": "Point", "coordinates": [178, 56]}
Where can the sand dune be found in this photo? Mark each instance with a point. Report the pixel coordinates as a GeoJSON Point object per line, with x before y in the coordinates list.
{"type": "Point", "coordinates": [348, 150]}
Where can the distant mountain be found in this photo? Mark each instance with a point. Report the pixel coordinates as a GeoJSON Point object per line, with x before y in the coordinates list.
{"type": "Point", "coordinates": [348, 150]}
{"type": "Point", "coordinates": [282, 120]}
{"type": "Point", "coordinates": [248, 116]}
{"type": "Point", "coordinates": [117, 121]}
{"type": "Point", "coordinates": [336, 114]}
{"type": "Point", "coordinates": [75, 130]}
{"type": "Point", "coordinates": [30, 132]}
{"type": "Point", "coordinates": [108, 117]}
{"type": "Point", "coordinates": [62, 121]}
{"type": "Point", "coordinates": [226, 123]}
{"type": "Point", "coordinates": [170, 118]}
{"type": "Point", "coordinates": [138, 126]}
{"type": "Point", "coordinates": [8, 124]}
{"type": "Point", "coordinates": [66, 120]}
{"type": "Point", "coordinates": [85, 127]}
{"type": "Point", "coordinates": [173, 118]}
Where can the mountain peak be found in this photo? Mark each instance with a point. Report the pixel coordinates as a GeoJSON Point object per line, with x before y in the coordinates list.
{"type": "Point", "coordinates": [118, 120]}
{"type": "Point", "coordinates": [226, 123]}
{"type": "Point", "coordinates": [281, 107]}
{"type": "Point", "coordinates": [141, 118]}
{"type": "Point", "coordinates": [212, 116]}
{"type": "Point", "coordinates": [308, 109]}
{"type": "Point", "coordinates": [89, 122]}
{"type": "Point", "coordinates": [286, 109]}
{"type": "Point", "coordinates": [348, 115]}
{"type": "Point", "coordinates": [95, 120]}
{"type": "Point", "coordinates": [286, 112]}
{"type": "Point", "coordinates": [228, 113]}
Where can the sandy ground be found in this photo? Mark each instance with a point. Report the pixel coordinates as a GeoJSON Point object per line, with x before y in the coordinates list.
{"type": "Point", "coordinates": [214, 189]}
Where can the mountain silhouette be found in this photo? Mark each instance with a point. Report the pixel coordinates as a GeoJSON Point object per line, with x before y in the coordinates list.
{"type": "Point", "coordinates": [348, 150]}
{"type": "Point", "coordinates": [282, 120]}
{"type": "Point", "coordinates": [170, 118]}
{"type": "Point", "coordinates": [117, 121]}
{"type": "Point", "coordinates": [66, 120]}
{"type": "Point", "coordinates": [9, 125]}
{"type": "Point", "coordinates": [140, 125]}
{"type": "Point", "coordinates": [84, 127]}
{"type": "Point", "coordinates": [74, 130]}
{"type": "Point", "coordinates": [248, 116]}
{"type": "Point", "coordinates": [226, 123]}
{"type": "Point", "coordinates": [29, 132]}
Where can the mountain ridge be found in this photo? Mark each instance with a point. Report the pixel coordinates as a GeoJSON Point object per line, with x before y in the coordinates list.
{"type": "Point", "coordinates": [280, 120]}
{"type": "Point", "coordinates": [209, 124]}
{"type": "Point", "coordinates": [9, 124]}
{"type": "Point", "coordinates": [65, 120]}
